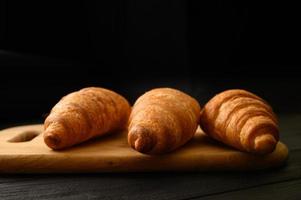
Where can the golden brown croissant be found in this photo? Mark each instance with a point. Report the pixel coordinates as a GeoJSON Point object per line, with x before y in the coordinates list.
{"type": "Point", "coordinates": [242, 120]}
{"type": "Point", "coordinates": [162, 120]}
{"type": "Point", "coordinates": [85, 114]}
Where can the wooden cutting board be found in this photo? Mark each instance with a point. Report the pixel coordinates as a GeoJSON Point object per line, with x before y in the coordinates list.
{"type": "Point", "coordinates": [22, 150]}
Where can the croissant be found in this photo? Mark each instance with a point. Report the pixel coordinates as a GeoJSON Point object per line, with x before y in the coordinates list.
{"type": "Point", "coordinates": [85, 114]}
{"type": "Point", "coordinates": [162, 120]}
{"type": "Point", "coordinates": [242, 120]}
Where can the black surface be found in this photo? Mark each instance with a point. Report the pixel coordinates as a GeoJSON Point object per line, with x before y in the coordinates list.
{"type": "Point", "coordinates": [26, 94]}
{"type": "Point", "coordinates": [154, 33]}
{"type": "Point", "coordinates": [279, 183]}
{"type": "Point", "coordinates": [50, 48]}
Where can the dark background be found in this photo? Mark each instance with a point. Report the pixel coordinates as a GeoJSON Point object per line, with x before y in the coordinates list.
{"type": "Point", "coordinates": [50, 48]}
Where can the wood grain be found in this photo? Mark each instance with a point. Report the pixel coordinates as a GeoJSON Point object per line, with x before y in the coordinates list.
{"type": "Point", "coordinates": [112, 154]}
{"type": "Point", "coordinates": [148, 186]}
{"type": "Point", "coordinates": [282, 190]}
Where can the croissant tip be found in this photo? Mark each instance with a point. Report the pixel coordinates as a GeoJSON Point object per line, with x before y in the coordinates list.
{"type": "Point", "coordinates": [52, 140]}
{"type": "Point", "coordinates": [265, 144]}
{"type": "Point", "coordinates": [141, 141]}
{"type": "Point", "coordinates": [142, 146]}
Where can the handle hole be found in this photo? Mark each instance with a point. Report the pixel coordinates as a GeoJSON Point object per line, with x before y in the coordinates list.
{"type": "Point", "coordinates": [24, 137]}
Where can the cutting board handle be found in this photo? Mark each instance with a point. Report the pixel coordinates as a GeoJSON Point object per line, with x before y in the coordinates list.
{"type": "Point", "coordinates": [24, 136]}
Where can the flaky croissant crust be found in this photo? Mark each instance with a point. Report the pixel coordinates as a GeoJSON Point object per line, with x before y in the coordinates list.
{"type": "Point", "coordinates": [85, 114]}
{"type": "Point", "coordinates": [162, 120]}
{"type": "Point", "coordinates": [242, 120]}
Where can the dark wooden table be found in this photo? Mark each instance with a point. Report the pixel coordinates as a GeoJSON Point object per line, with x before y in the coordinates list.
{"type": "Point", "coordinates": [280, 183]}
